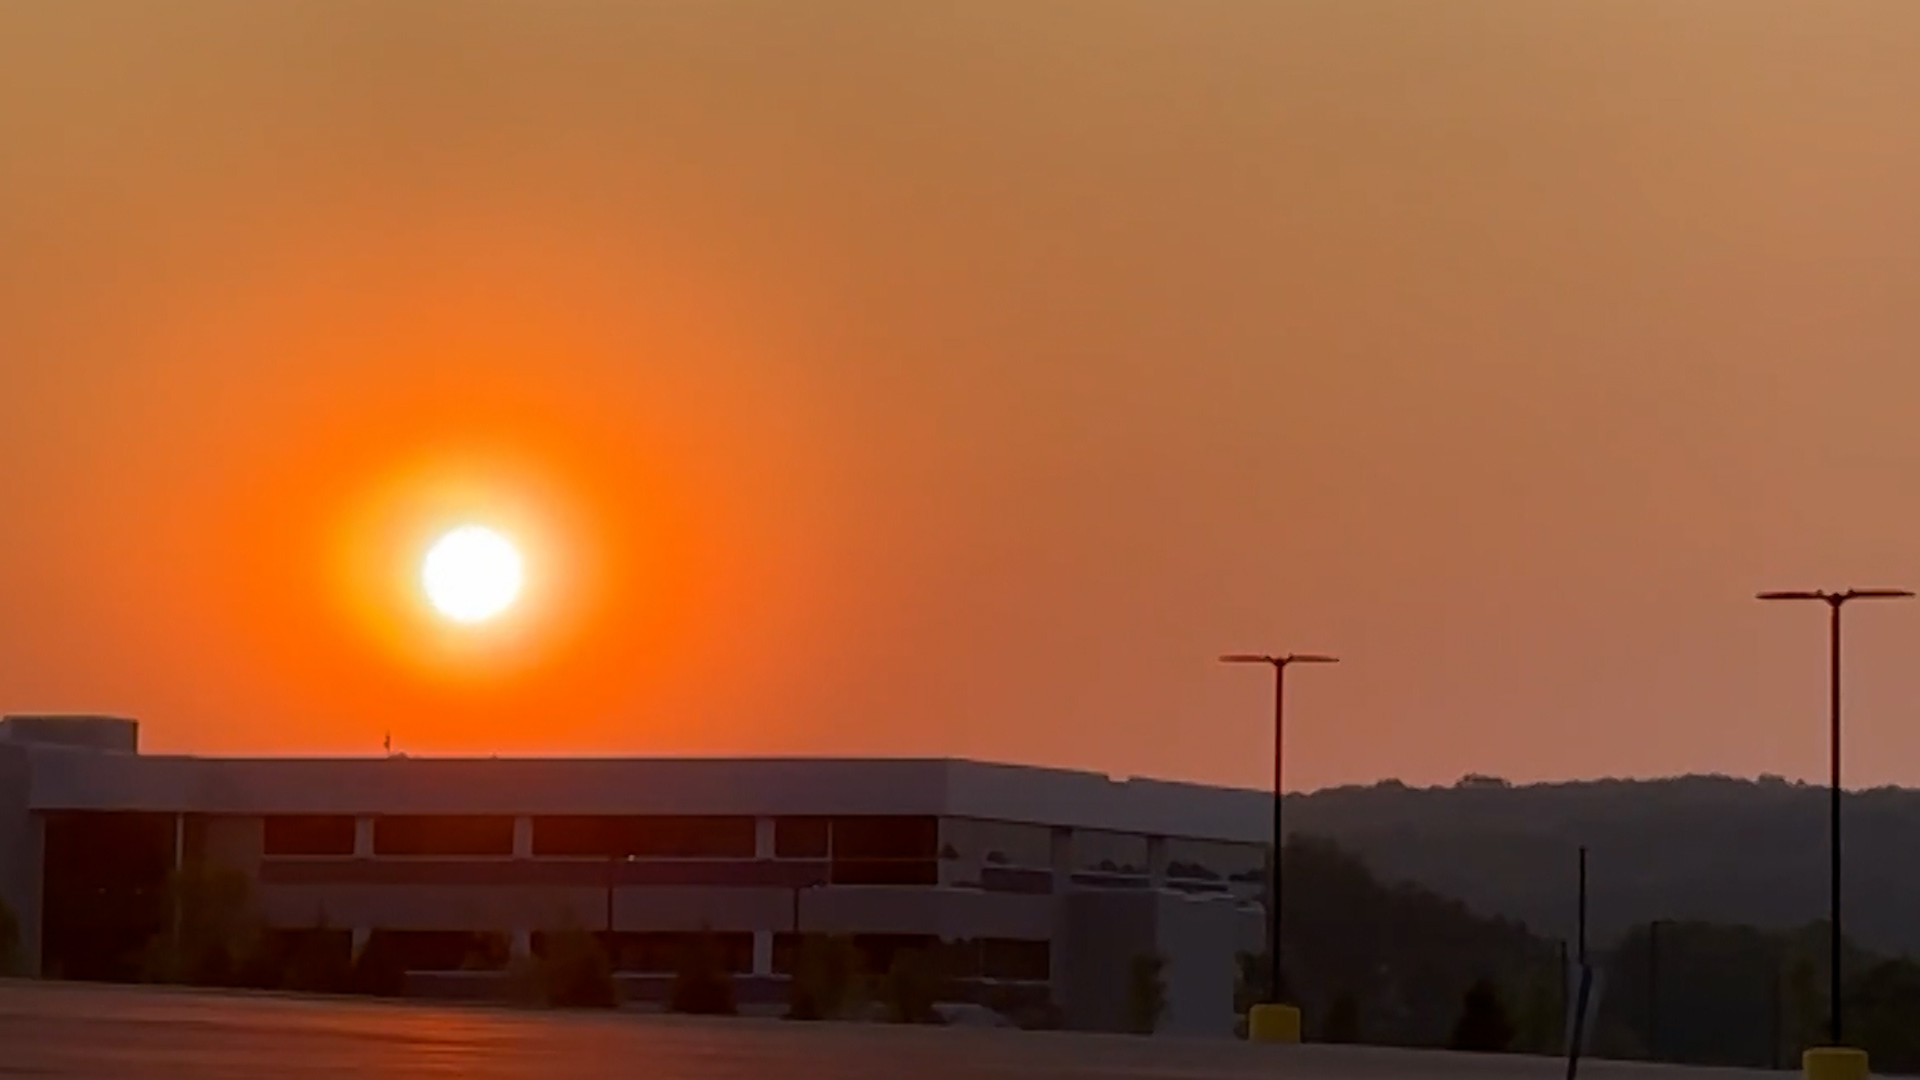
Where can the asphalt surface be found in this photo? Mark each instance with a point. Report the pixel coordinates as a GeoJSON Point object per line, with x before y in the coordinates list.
{"type": "Point", "coordinates": [76, 1032]}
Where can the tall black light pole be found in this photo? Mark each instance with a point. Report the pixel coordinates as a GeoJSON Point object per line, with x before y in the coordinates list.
{"type": "Point", "coordinates": [1279, 665]}
{"type": "Point", "coordinates": [1835, 601]}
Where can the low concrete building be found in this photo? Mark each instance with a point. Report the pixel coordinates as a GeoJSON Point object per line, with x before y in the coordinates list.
{"type": "Point", "coordinates": [1054, 880]}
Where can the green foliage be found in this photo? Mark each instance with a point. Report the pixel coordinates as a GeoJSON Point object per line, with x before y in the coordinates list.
{"type": "Point", "coordinates": [1882, 1006]}
{"type": "Point", "coordinates": [825, 978]}
{"type": "Point", "coordinates": [1342, 1023]}
{"type": "Point", "coordinates": [575, 972]}
{"type": "Point", "coordinates": [913, 985]}
{"type": "Point", "coordinates": [215, 935]}
{"type": "Point", "coordinates": [1146, 993]}
{"type": "Point", "coordinates": [1541, 1014]}
{"type": "Point", "coordinates": [1483, 1026]}
{"type": "Point", "coordinates": [702, 985]}
{"type": "Point", "coordinates": [1658, 847]}
{"type": "Point", "coordinates": [1404, 954]}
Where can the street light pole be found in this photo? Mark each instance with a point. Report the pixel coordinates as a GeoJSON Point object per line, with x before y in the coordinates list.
{"type": "Point", "coordinates": [1276, 994]}
{"type": "Point", "coordinates": [1834, 601]}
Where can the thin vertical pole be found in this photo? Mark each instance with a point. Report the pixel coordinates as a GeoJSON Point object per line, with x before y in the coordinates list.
{"type": "Point", "coordinates": [1583, 905]}
{"type": "Point", "coordinates": [1833, 839]}
{"type": "Point", "coordinates": [1275, 989]}
{"type": "Point", "coordinates": [1653, 989]}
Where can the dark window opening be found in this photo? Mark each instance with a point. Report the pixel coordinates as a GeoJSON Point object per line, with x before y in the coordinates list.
{"type": "Point", "coordinates": [1007, 958]}
{"type": "Point", "coordinates": [801, 837]}
{"type": "Point", "coordinates": [886, 871]}
{"type": "Point", "coordinates": [886, 851]}
{"type": "Point", "coordinates": [886, 837]}
{"type": "Point", "coordinates": [424, 834]}
{"type": "Point", "coordinates": [104, 892]}
{"type": "Point", "coordinates": [308, 834]}
{"type": "Point", "coordinates": [644, 837]}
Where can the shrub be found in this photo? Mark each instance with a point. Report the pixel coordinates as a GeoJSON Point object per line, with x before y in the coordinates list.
{"type": "Point", "coordinates": [576, 973]}
{"type": "Point", "coordinates": [1483, 1025]}
{"type": "Point", "coordinates": [215, 936]}
{"type": "Point", "coordinates": [825, 973]}
{"type": "Point", "coordinates": [1146, 993]}
{"type": "Point", "coordinates": [912, 987]}
{"type": "Point", "coordinates": [702, 985]}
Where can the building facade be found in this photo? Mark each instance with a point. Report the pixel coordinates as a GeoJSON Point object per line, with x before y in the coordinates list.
{"type": "Point", "coordinates": [1050, 879]}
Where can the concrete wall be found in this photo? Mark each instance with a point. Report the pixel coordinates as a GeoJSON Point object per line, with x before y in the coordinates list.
{"type": "Point", "coordinates": [1097, 936]}
{"type": "Point", "coordinates": [82, 780]}
{"type": "Point", "coordinates": [1200, 938]}
{"type": "Point", "coordinates": [1101, 933]}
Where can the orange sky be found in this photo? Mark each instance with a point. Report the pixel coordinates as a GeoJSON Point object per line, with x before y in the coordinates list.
{"type": "Point", "coordinates": [933, 379]}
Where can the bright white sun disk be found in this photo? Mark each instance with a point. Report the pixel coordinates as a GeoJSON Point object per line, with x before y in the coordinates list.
{"type": "Point", "coordinates": [472, 574]}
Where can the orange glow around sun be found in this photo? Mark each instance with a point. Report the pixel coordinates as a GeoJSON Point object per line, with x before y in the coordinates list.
{"type": "Point", "coordinates": [650, 498]}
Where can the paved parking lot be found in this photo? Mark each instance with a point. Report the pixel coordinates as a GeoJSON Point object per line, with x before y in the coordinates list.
{"type": "Point", "coordinates": [78, 1032]}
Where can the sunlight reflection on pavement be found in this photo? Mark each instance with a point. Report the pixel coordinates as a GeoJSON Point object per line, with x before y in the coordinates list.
{"type": "Point", "coordinates": [77, 1032]}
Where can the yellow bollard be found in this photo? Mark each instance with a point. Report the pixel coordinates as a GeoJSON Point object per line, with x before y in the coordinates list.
{"type": "Point", "coordinates": [1281, 1024]}
{"type": "Point", "coordinates": [1834, 1063]}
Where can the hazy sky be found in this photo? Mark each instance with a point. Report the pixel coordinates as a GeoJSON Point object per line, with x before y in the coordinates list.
{"type": "Point", "coordinates": [962, 378]}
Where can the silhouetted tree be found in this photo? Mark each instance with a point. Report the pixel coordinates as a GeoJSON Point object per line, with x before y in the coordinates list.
{"type": "Point", "coordinates": [1883, 1003]}
{"type": "Point", "coordinates": [575, 972]}
{"type": "Point", "coordinates": [1146, 993]}
{"type": "Point", "coordinates": [826, 973]}
{"type": "Point", "coordinates": [215, 935]}
{"type": "Point", "coordinates": [1483, 1025]}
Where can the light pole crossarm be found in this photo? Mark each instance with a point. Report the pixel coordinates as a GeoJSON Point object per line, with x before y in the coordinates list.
{"type": "Point", "coordinates": [1835, 601]}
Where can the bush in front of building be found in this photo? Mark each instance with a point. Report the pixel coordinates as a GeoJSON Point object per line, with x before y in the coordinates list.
{"type": "Point", "coordinates": [572, 971]}
{"type": "Point", "coordinates": [912, 986]}
{"type": "Point", "coordinates": [215, 936]}
{"type": "Point", "coordinates": [702, 985]}
{"type": "Point", "coordinates": [1146, 993]}
{"type": "Point", "coordinates": [825, 979]}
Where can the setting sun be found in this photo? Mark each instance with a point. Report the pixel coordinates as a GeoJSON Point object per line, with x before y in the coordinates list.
{"type": "Point", "coordinates": [472, 574]}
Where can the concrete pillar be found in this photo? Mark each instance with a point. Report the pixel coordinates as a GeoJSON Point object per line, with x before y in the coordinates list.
{"type": "Point", "coordinates": [360, 936]}
{"type": "Point", "coordinates": [1157, 861]}
{"type": "Point", "coordinates": [763, 952]}
{"type": "Point", "coordinates": [1062, 860]}
{"type": "Point", "coordinates": [520, 945]}
{"type": "Point", "coordinates": [763, 847]}
{"type": "Point", "coordinates": [363, 837]}
{"type": "Point", "coordinates": [523, 837]}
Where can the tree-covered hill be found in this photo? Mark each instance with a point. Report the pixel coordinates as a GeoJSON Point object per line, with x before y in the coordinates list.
{"type": "Point", "coordinates": [1703, 848]}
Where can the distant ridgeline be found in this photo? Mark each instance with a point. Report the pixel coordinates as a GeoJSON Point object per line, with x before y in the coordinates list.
{"type": "Point", "coordinates": [1705, 894]}
{"type": "Point", "coordinates": [1703, 848]}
